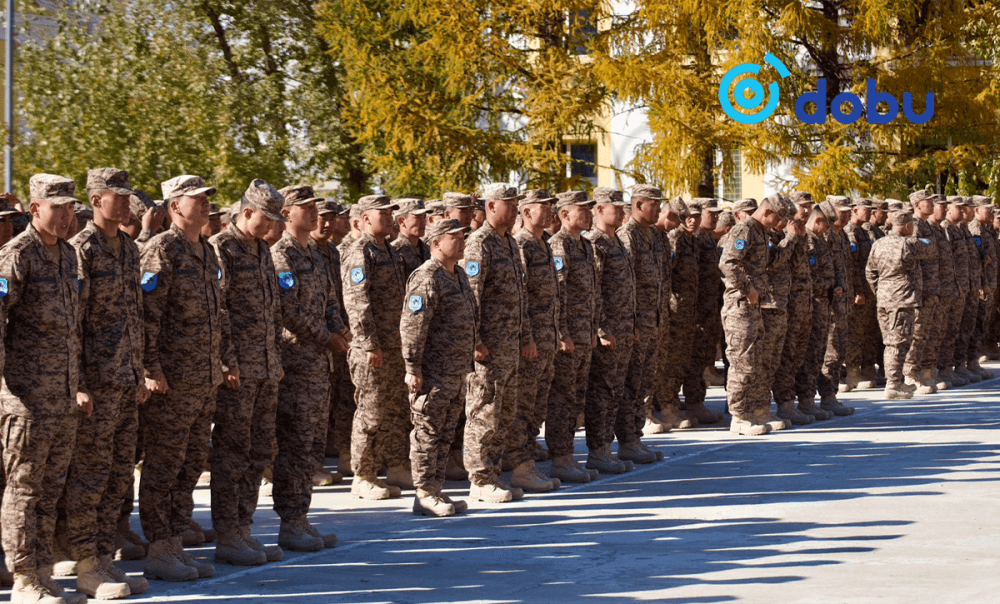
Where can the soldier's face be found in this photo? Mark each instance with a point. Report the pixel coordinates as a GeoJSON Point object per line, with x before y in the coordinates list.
{"type": "Point", "coordinates": [940, 210]}
{"type": "Point", "coordinates": [709, 220]}
{"type": "Point", "coordinates": [863, 214]}
{"type": "Point", "coordinates": [879, 217]}
{"type": "Point", "coordinates": [646, 211]}
{"type": "Point", "coordinates": [111, 206]}
{"type": "Point", "coordinates": [303, 217]}
{"type": "Point", "coordinates": [578, 218]}
{"type": "Point", "coordinates": [257, 225]}
{"type": "Point", "coordinates": [413, 225]}
{"type": "Point", "coordinates": [843, 217]}
{"type": "Point", "coordinates": [324, 226]}
{"type": "Point", "coordinates": [342, 225]}
{"type": "Point", "coordinates": [692, 222]}
{"type": "Point", "coordinates": [802, 212]}
{"type": "Point", "coordinates": [505, 211]}
{"type": "Point", "coordinates": [967, 213]}
{"type": "Point", "coordinates": [462, 215]}
{"type": "Point", "coordinates": [451, 246]}
{"type": "Point", "coordinates": [818, 225]}
{"type": "Point", "coordinates": [51, 219]}
{"type": "Point", "coordinates": [195, 208]}
{"type": "Point", "coordinates": [379, 222]}
{"type": "Point", "coordinates": [984, 213]}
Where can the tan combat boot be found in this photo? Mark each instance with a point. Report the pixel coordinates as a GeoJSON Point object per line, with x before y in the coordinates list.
{"type": "Point", "coordinates": [938, 378]}
{"type": "Point", "coordinates": [492, 492]}
{"type": "Point", "coordinates": [975, 367]}
{"type": "Point", "coordinates": [565, 468]}
{"type": "Point", "coordinates": [272, 552]}
{"type": "Point", "coordinates": [461, 505]}
{"type": "Point", "coordinates": [636, 453]}
{"type": "Point", "coordinates": [373, 489]}
{"type": "Point", "coordinates": [598, 460]}
{"type": "Point", "coordinates": [606, 450]}
{"type": "Point", "coordinates": [95, 581]}
{"type": "Point", "coordinates": [672, 416]}
{"type": "Point", "coordinates": [713, 377]}
{"type": "Point", "coordinates": [787, 411]}
{"type": "Point", "coordinates": [926, 385]}
{"type": "Point", "coordinates": [293, 536]}
{"type": "Point", "coordinates": [329, 540]}
{"type": "Point", "coordinates": [853, 379]}
{"type": "Point", "coordinates": [654, 426]}
{"type": "Point", "coordinates": [128, 544]}
{"type": "Point", "coordinates": [162, 563]}
{"type": "Point", "coordinates": [400, 476]}
{"type": "Point", "coordinates": [808, 406]}
{"type": "Point", "coordinates": [970, 374]}
{"type": "Point", "coordinates": [430, 504]}
{"type": "Point", "coordinates": [231, 549]}
{"type": "Point", "coordinates": [324, 478]}
{"type": "Point", "coordinates": [455, 470]}
{"type": "Point", "coordinates": [204, 569]}
{"type": "Point", "coordinates": [869, 379]}
{"type": "Point", "coordinates": [44, 575]}
{"type": "Point", "coordinates": [894, 392]}
{"type": "Point", "coordinates": [701, 414]}
{"type": "Point", "coordinates": [136, 585]}
{"type": "Point", "coordinates": [64, 566]}
{"type": "Point", "coordinates": [831, 404]}
{"type": "Point", "coordinates": [526, 477]}
{"type": "Point", "coordinates": [747, 426]}
{"type": "Point", "coordinates": [763, 415]}
{"type": "Point", "coordinates": [344, 464]}
{"type": "Point", "coordinates": [28, 589]}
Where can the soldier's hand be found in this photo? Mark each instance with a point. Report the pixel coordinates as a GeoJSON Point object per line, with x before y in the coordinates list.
{"type": "Point", "coordinates": [637, 336]}
{"type": "Point", "coordinates": [753, 298]}
{"type": "Point", "coordinates": [84, 403]}
{"type": "Point", "coordinates": [374, 358]}
{"type": "Point", "coordinates": [281, 376]}
{"type": "Point", "coordinates": [530, 352]}
{"type": "Point", "coordinates": [143, 393]}
{"type": "Point", "coordinates": [609, 341]}
{"type": "Point", "coordinates": [566, 345]}
{"type": "Point", "coordinates": [347, 335]}
{"type": "Point", "coordinates": [232, 379]}
{"type": "Point", "coordinates": [337, 342]}
{"type": "Point", "coordinates": [157, 384]}
{"type": "Point", "coordinates": [415, 382]}
{"type": "Point", "coordinates": [859, 300]}
{"type": "Point", "coordinates": [481, 352]}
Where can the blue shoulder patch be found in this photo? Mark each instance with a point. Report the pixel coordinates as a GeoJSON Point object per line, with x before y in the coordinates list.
{"type": "Point", "coordinates": [812, 260]}
{"type": "Point", "coordinates": [3, 288]}
{"type": "Point", "coordinates": [854, 247]}
{"type": "Point", "coordinates": [739, 245]}
{"type": "Point", "coordinates": [79, 285]}
{"type": "Point", "coordinates": [979, 242]}
{"type": "Point", "coordinates": [149, 281]}
{"type": "Point", "coordinates": [416, 303]}
{"type": "Point", "coordinates": [220, 274]}
{"type": "Point", "coordinates": [357, 275]}
{"type": "Point", "coordinates": [286, 280]}
{"type": "Point", "coordinates": [472, 269]}
{"type": "Point", "coordinates": [558, 261]}
{"type": "Point", "coordinates": [925, 241]}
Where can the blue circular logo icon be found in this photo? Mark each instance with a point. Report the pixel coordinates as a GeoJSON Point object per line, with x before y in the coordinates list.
{"type": "Point", "coordinates": [755, 90]}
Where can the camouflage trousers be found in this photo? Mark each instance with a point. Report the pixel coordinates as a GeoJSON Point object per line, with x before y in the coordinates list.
{"type": "Point", "coordinates": [567, 398]}
{"type": "Point", "coordinates": [674, 355]}
{"type": "Point", "coordinates": [534, 378]}
{"type": "Point", "coordinates": [101, 471]}
{"type": "Point", "coordinates": [606, 390]}
{"type": "Point", "coordinates": [775, 331]}
{"type": "Point", "coordinates": [382, 418]}
{"type": "Point", "coordinates": [794, 349]}
{"type": "Point", "coordinates": [863, 319]}
{"type": "Point", "coordinates": [36, 457]}
{"type": "Point", "coordinates": [434, 412]}
{"type": "Point", "coordinates": [828, 380]}
{"type": "Point", "coordinates": [979, 333]}
{"type": "Point", "coordinates": [897, 326]}
{"type": "Point", "coordinates": [705, 345]}
{"type": "Point", "coordinates": [631, 415]}
{"type": "Point", "coordinates": [744, 329]}
{"type": "Point", "coordinates": [807, 378]}
{"type": "Point", "coordinates": [871, 335]}
{"type": "Point", "coordinates": [300, 430]}
{"type": "Point", "coordinates": [490, 409]}
{"type": "Point", "coordinates": [242, 447]}
{"type": "Point", "coordinates": [342, 405]}
{"type": "Point", "coordinates": [949, 322]}
{"type": "Point", "coordinates": [176, 431]}
{"type": "Point", "coordinates": [921, 352]}
{"type": "Point", "coordinates": [965, 328]}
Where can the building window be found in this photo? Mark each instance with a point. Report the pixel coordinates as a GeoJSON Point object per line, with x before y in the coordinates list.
{"type": "Point", "coordinates": [583, 161]}
{"type": "Point", "coordinates": [732, 180]}
{"type": "Point", "coordinates": [581, 29]}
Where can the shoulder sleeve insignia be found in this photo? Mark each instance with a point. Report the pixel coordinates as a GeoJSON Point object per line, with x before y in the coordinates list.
{"type": "Point", "coordinates": [472, 269]}
{"type": "Point", "coordinates": [357, 275]}
{"type": "Point", "coordinates": [220, 274]}
{"type": "Point", "coordinates": [739, 245]}
{"type": "Point", "coordinates": [925, 241]}
{"type": "Point", "coordinates": [3, 288]}
{"type": "Point", "coordinates": [812, 260]}
{"type": "Point", "coordinates": [854, 247]}
{"type": "Point", "coordinates": [416, 303]}
{"type": "Point", "coordinates": [286, 280]}
{"type": "Point", "coordinates": [149, 281]}
{"type": "Point", "coordinates": [558, 261]}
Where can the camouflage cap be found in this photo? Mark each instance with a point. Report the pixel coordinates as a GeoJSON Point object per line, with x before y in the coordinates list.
{"type": "Point", "coordinates": [329, 206]}
{"type": "Point", "coordinates": [262, 196]}
{"type": "Point", "coordinates": [444, 227]}
{"type": "Point", "coordinates": [956, 200]}
{"type": "Point", "coordinates": [57, 190]}
{"type": "Point", "coordinates": [435, 207]}
{"type": "Point", "coordinates": [839, 202]}
{"type": "Point", "coordinates": [775, 204]}
{"type": "Point", "coordinates": [6, 208]}
{"type": "Point", "coordinates": [609, 195]}
{"type": "Point", "coordinates": [213, 210]}
{"type": "Point", "coordinates": [902, 218]}
{"type": "Point", "coordinates": [705, 203]}
{"type": "Point", "coordinates": [801, 197]}
{"type": "Point", "coordinates": [939, 199]}
{"type": "Point", "coordinates": [573, 198]}
{"type": "Point", "coordinates": [790, 208]}
{"type": "Point", "coordinates": [409, 205]}
{"type": "Point", "coordinates": [83, 211]}
{"type": "Point", "coordinates": [299, 195]}
{"type": "Point", "coordinates": [920, 195]}
{"type": "Point", "coordinates": [375, 202]}
{"type": "Point", "coordinates": [647, 192]}
{"type": "Point", "coordinates": [863, 202]}
{"type": "Point", "coordinates": [457, 201]}
{"type": "Point", "coordinates": [894, 205]}
{"type": "Point", "coordinates": [748, 204]}
{"type": "Point", "coordinates": [981, 201]}
{"type": "Point", "coordinates": [679, 208]}
{"type": "Point", "coordinates": [533, 196]}
{"type": "Point", "coordinates": [185, 184]}
{"type": "Point", "coordinates": [139, 203]}
{"type": "Point", "coordinates": [99, 179]}
{"type": "Point", "coordinates": [354, 212]}
{"type": "Point", "coordinates": [500, 191]}
{"type": "Point", "coordinates": [726, 219]}
{"type": "Point", "coordinates": [880, 204]}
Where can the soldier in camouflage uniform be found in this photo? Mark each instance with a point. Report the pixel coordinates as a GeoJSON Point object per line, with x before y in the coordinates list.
{"type": "Point", "coordinates": [183, 320]}
{"type": "Point", "coordinates": [863, 319]}
{"type": "Point", "coordinates": [838, 210]}
{"type": "Point", "coordinates": [374, 281]}
{"type": "Point", "coordinates": [948, 292]}
{"type": "Point", "coordinates": [535, 374]}
{"type": "Point", "coordinates": [100, 473]}
{"type": "Point", "coordinates": [951, 322]}
{"type": "Point", "coordinates": [743, 264]}
{"type": "Point", "coordinates": [646, 254]}
{"type": "Point", "coordinates": [458, 206]}
{"type": "Point", "coordinates": [925, 317]}
{"type": "Point", "coordinates": [439, 335]}
{"type": "Point", "coordinates": [615, 329]}
{"type": "Point", "coordinates": [976, 292]}
{"type": "Point", "coordinates": [244, 432]}
{"type": "Point", "coordinates": [894, 274]}
{"type": "Point", "coordinates": [493, 264]}
{"type": "Point", "coordinates": [40, 288]}
{"type": "Point", "coordinates": [989, 250]}
{"type": "Point", "coordinates": [412, 220]}
{"type": "Point", "coordinates": [579, 311]}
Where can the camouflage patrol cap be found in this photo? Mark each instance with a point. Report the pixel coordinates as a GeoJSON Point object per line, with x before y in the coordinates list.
{"type": "Point", "coordinates": [705, 203]}
{"type": "Point", "coordinates": [262, 196]}
{"type": "Point", "coordinates": [6, 209]}
{"type": "Point", "coordinates": [981, 201]}
{"type": "Point", "coordinates": [213, 210]}
{"type": "Point", "coordinates": [839, 202]}
{"type": "Point", "coordinates": [609, 195]}
{"type": "Point", "coordinates": [100, 179]}
{"type": "Point", "coordinates": [186, 184]}
{"type": "Point", "coordinates": [573, 198]}
{"type": "Point", "coordinates": [894, 205]}
{"type": "Point", "coordinates": [533, 196]}
{"type": "Point", "coordinates": [139, 203]}
{"type": "Point", "coordinates": [500, 191]}
{"type": "Point", "coordinates": [679, 208]}
{"type": "Point", "coordinates": [801, 198]}
{"type": "Point", "coordinates": [354, 212]}
{"type": "Point", "coordinates": [863, 202]}
{"type": "Point", "coordinates": [748, 204]}
{"type": "Point", "coordinates": [299, 195]}
{"type": "Point", "coordinates": [83, 211]}
{"type": "Point", "coordinates": [57, 190]}
{"type": "Point", "coordinates": [369, 203]}
{"type": "Point", "coordinates": [329, 206]}
{"type": "Point", "coordinates": [409, 205]}
{"type": "Point", "coordinates": [457, 201]}
{"type": "Point", "coordinates": [902, 218]}
{"type": "Point", "coordinates": [920, 195]}
{"type": "Point", "coordinates": [647, 192]}
{"type": "Point", "coordinates": [775, 204]}
{"type": "Point", "coordinates": [880, 204]}
{"type": "Point", "coordinates": [939, 199]}
{"type": "Point", "coordinates": [435, 207]}
{"type": "Point", "coordinates": [726, 219]}
{"type": "Point", "coordinates": [444, 227]}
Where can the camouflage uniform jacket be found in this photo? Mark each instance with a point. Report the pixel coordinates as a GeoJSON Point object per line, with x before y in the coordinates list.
{"type": "Point", "coordinates": [42, 304]}
{"type": "Point", "coordinates": [986, 243]}
{"type": "Point", "coordinates": [928, 255]}
{"type": "Point", "coordinates": [144, 236]}
{"type": "Point", "coordinates": [645, 253]}
{"type": "Point", "coordinates": [666, 262]}
{"type": "Point", "coordinates": [824, 278]}
{"type": "Point", "coordinates": [799, 268]}
{"type": "Point", "coordinates": [874, 233]}
{"type": "Point", "coordinates": [947, 283]}
{"type": "Point", "coordinates": [683, 272]}
{"type": "Point", "coordinates": [111, 311]}
{"type": "Point", "coordinates": [493, 264]}
{"type": "Point", "coordinates": [861, 247]}
{"type": "Point", "coordinates": [411, 255]}
{"type": "Point", "coordinates": [541, 290]}
{"type": "Point", "coordinates": [579, 289]}
{"type": "Point", "coordinates": [331, 253]}
{"type": "Point", "coordinates": [843, 268]}
{"type": "Point", "coordinates": [439, 323]}
{"type": "Point", "coordinates": [709, 276]}
{"type": "Point", "coordinates": [374, 284]}
{"type": "Point", "coordinates": [974, 257]}
{"type": "Point", "coordinates": [781, 247]}
{"type": "Point", "coordinates": [182, 309]}
{"type": "Point", "coordinates": [960, 255]}
{"type": "Point", "coordinates": [744, 261]}
{"type": "Point", "coordinates": [309, 309]}
{"type": "Point", "coordinates": [617, 285]}
{"type": "Point", "coordinates": [894, 272]}
{"type": "Point", "coordinates": [253, 305]}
